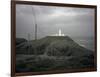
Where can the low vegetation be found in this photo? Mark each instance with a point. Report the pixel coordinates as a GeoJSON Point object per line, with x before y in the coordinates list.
{"type": "Point", "coordinates": [52, 53]}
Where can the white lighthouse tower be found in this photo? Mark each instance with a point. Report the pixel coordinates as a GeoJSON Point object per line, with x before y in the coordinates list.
{"type": "Point", "coordinates": [60, 33]}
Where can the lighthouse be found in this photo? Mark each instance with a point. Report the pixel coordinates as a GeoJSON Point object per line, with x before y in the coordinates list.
{"type": "Point", "coordinates": [59, 33]}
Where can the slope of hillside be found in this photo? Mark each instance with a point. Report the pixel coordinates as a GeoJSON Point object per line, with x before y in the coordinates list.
{"type": "Point", "coordinates": [52, 53]}
{"type": "Point", "coordinates": [58, 46]}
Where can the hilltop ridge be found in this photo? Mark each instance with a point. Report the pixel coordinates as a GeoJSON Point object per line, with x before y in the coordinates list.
{"type": "Point", "coordinates": [60, 45]}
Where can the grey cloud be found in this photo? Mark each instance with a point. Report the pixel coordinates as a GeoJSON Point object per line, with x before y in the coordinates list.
{"type": "Point", "coordinates": [72, 21]}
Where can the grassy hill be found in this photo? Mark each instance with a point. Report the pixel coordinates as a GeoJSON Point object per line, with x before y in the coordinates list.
{"type": "Point", "coordinates": [52, 53]}
{"type": "Point", "coordinates": [58, 46]}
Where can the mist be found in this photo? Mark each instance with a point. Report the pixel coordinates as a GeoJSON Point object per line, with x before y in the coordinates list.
{"type": "Point", "coordinates": [73, 22]}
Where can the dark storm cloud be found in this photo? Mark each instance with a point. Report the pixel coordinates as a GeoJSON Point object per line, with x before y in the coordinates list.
{"type": "Point", "coordinates": [72, 21]}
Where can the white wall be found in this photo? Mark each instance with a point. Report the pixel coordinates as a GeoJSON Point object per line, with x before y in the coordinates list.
{"type": "Point", "coordinates": [5, 38]}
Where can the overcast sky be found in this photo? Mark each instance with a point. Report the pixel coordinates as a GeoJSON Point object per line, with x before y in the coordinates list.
{"type": "Point", "coordinates": [49, 19]}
